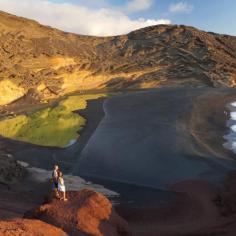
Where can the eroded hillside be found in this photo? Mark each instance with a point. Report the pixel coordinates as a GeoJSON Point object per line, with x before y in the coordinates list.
{"type": "Point", "coordinates": [47, 63]}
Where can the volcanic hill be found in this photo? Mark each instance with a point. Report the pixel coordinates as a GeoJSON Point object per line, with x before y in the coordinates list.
{"type": "Point", "coordinates": [46, 63]}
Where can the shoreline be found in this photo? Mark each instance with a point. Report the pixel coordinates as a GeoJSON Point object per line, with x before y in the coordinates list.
{"type": "Point", "coordinates": [230, 136]}
{"type": "Point", "coordinates": [204, 129]}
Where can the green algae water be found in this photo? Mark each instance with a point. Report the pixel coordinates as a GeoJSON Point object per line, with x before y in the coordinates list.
{"type": "Point", "coordinates": [56, 126]}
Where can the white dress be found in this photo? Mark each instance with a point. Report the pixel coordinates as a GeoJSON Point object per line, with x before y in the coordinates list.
{"type": "Point", "coordinates": [61, 185]}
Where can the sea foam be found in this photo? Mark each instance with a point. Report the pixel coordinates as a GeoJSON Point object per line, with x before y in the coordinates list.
{"type": "Point", "coordinates": [233, 115]}
{"type": "Point", "coordinates": [233, 104]}
{"type": "Point", "coordinates": [231, 136]}
{"type": "Point", "coordinates": [72, 142]}
{"type": "Point", "coordinates": [233, 128]}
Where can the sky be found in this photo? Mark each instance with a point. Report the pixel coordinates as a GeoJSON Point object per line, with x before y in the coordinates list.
{"type": "Point", "coordinates": [115, 17]}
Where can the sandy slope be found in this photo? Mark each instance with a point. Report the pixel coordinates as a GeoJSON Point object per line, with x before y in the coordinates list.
{"type": "Point", "coordinates": [46, 63]}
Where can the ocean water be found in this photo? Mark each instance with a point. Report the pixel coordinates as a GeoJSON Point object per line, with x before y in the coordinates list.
{"type": "Point", "coordinates": [231, 123]}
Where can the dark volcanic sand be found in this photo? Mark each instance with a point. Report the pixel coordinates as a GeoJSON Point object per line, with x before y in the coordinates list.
{"type": "Point", "coordinates": [160, 137]}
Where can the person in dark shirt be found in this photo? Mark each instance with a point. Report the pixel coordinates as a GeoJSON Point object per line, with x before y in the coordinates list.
{"type": "Point", "coordinates": [55, 180]}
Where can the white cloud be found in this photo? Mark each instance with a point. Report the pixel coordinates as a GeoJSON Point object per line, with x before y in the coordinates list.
{"type": "Point", "coordinates": [77, 18]}
{"type": "Point", "coordinates": [181, 7]}
{"type": "Point", "coordinates": [138, 5]}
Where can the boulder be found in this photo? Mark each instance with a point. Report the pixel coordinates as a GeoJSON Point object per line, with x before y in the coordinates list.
{"type": "Point", "coordinates": [85, 213]}
{"type": "Point", "coordinates": [10, 170]}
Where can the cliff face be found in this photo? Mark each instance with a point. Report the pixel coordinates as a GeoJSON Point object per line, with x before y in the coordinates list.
{"type": "Point", "coordinates": [49, 63]}
{"type": "Point", "coordinates": [85, 213]}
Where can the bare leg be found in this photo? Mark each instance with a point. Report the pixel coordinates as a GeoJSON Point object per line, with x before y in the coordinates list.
{"type": "Point", "coordinates": [64, 196]}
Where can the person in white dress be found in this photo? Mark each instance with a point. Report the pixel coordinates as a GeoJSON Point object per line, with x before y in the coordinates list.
{"type": "Point", "coordinates": [61, 187]}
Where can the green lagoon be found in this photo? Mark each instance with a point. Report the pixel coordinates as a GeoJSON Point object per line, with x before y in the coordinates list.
{"type": "Point", "coordinates": [56, 126]}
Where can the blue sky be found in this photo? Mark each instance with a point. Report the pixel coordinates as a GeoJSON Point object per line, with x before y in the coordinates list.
{"type": "Point", "coordinates": [111, 17]}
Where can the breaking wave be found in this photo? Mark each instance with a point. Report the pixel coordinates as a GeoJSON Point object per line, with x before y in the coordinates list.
{"type": "Point", "coordinates": [231, 123]}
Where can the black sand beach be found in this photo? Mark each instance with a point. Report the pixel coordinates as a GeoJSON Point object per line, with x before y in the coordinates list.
{"type": "Point", "coordinates": [160, 137]}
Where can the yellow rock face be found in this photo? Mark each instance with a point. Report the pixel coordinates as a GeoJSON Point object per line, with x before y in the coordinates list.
{"type": "Point", "coordinates": [10, 92]}
{"type": "Point", "coordinates": [58, 62]}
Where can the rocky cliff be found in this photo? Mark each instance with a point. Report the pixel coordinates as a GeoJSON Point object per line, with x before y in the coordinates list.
{"type": "Point", "coordinates": [10, 170]}
{"type": "Point", "coordinates": [86, 213]}
{"type": "Point", "coordinates": [46, 63]}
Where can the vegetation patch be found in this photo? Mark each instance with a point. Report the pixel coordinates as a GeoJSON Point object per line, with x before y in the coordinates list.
{"type": "Point", "coordinates": [55, 126]}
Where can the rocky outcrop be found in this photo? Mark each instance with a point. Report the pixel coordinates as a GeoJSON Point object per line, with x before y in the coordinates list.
{"type": "Point", "coordinates": [10, 170]}
{"type": "Point", "coordinates": [86, 213]}
{"type": "Point", "coordinates": [28, 228]}
{"type": "Point", "coordinates": [51, 63]}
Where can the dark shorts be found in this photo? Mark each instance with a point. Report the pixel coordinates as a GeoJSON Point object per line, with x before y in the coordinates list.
{"type": "Point", "coordinates": [55, 185]}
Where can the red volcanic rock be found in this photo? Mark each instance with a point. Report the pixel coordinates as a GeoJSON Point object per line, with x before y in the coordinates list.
{"type": "Point", "coordinates": [29, 228]}
{"type": "Point", "coordinates": [85, 212]}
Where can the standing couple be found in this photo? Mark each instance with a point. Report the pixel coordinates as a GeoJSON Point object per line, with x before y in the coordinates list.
{"type": "Point", "coordinates": [59, 188]}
